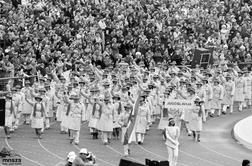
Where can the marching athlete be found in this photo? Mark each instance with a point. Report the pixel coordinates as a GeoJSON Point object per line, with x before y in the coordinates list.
{"type": "Point", "coordinates": [37, 115]}
{"type": "Point", "coordinates": [240, 90]}
{"type": "Point", "coordinates": [142, 119]}
{"type": "Point", "coordinates": [228, 98]}
{"type": "Point", "coordinates": [9, 114]}
{"type": "Point", "coordinates": [73, 113]}
{"type": "Point", "coordinates": [172, 133]}
{"type": "Point", "coordinates": [124, 123]}
{"type": "Point", "coordinates": [217, 97]}
{"type": "Point", "coordinates": [195, 122]}
{"type": "Point", "coordinates": [105, 123]}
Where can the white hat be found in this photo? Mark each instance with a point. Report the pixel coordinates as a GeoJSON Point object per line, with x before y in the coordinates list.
{"type": "Point", "coordinates": [242, 47]}
{"type": "Point", "coordinates": [138, 53]}
{"type": "Point", "coordinates": [71, 154]}
{"type": "Point", "coordinates": [84, 151]}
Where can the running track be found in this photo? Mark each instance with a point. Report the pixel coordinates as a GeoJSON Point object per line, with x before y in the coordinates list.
{"type": "Point", "coordinates": [217, 147]}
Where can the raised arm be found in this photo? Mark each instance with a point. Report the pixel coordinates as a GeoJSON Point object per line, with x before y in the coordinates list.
{"type": "Point", "coordinates": [84, 95]}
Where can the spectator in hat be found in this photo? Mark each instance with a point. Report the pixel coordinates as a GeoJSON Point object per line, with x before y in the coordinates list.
{"type": "Point", "coordinates": [70, 158]}
{"type": "Point", "coordinates": [87, 157]}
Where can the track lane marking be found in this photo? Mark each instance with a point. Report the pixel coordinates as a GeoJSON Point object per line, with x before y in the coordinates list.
{"type": "Point", "coordinates": [219, 153]}
{"type": "Point", "coordinates": [45, 149]}
{"type": "Point", "coordinates": [35, 162]}
{"type": "Point", "coordinates": [198, 158]}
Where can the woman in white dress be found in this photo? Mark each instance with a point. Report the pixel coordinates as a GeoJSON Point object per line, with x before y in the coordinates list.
{"type": "Point", "coordinates": [248, 78]}
{"type": "Point", "coordinates": [123, 121]}
{"type": "Point", "coordinates": [117, 111]}
{"type": "Point", "coordinates": [195, 122]}
{"type": "Point", "coordinates": [27, 108]}
{"type": "Point", "coordinates": [37, 115]}
{"type": "Point", "coordinates": [73, 113]}
{"type": "Point", "coordinates": [209, 95]}
{"type": "Point", "coordinates": [9, 114]}
{"type": "Point", "coordinates": [240, 90]}
{"type": "Point", "coordinates": [142, 119]}
{"type": "Point", "coordinates": [93, 111]}
{"type": "Point", "coordinates": [218, 92]}
{"type": "Point", "coordinates": [172, 134]}
{"type": "Point", "coordinates": [61, 111]}
{"type": "Point", "coordinates": [105, 123]}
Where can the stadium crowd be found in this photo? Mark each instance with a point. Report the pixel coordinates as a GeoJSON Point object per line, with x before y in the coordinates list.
{"type": "Point", "coordinates": [103, 61]}
{"type": "Point", "coordinates": [39, 36]}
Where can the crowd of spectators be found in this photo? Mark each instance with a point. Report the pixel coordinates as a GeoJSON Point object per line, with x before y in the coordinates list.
{"type": "Point", "coordinates": [41, 35]}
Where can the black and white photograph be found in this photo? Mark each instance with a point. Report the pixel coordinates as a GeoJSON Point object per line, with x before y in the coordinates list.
{"type": "Point", "coordinates": [125, 82]}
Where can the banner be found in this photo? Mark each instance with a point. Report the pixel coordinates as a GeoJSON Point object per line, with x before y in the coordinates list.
{"type": "Point", "coordinates": [178, 104]}
{"type": "Point", "coordinates": [173, 108]}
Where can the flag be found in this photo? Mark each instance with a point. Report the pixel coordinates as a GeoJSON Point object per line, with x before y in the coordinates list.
{"type": "Point", "coordinates": [130, 132]}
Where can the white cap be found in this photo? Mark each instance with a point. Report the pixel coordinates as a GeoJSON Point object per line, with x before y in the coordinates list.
{"type": "Point", "coordinates": [84, 151]}
{"type": "Point", "coordinates": [138, 53]}
{"type": "Point", "coordinates": [71, 154]}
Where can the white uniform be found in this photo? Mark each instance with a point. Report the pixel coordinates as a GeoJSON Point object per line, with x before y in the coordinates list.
{"type": "Point", "coordinates": [9, 113]}
{"type": "Point", "coordinates": [74, 120]}
{"type": "Point", "coordinates": [38, 115]}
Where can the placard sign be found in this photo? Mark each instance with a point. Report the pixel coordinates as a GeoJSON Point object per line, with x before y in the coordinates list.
{"type": "Point", "coordinates": [179, 104]}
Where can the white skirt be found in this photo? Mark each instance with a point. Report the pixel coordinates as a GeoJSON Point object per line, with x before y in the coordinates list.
{"type": "Point", "coordinates": [93, 122]}
{"type": "Point", "coordinates": [65, 120]}
{"type": "Point", "coordinates": [239, 96]}
{"type": "Point", "coordinates": [37, 123]}
{"type": "Point", "coordinates": [195, 123]}
{"type": "Point", "coordinates": [74, 123]}
{"type": "Point", "coordinates": [8, 121]}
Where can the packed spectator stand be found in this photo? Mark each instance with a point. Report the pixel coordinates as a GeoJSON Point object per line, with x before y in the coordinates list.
{"type": "Point", "coordinates": [38, 36]}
